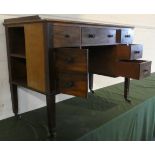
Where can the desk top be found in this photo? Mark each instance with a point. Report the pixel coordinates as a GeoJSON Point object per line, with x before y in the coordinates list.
{"type": "Point", "coordinates": [37, 18]}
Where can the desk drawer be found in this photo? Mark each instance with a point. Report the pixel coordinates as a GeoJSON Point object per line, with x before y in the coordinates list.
{"type": "Point", "coordinates": [129, 52]}
{"type": "Point", "coordinates": [72, 71]}
{"type": "Point", "coordinates": [66, 36]}
{"type": "Point", "coordinates": [73, 84]}
{"type": "Point", "coordinates": [97, 36]}
{"type": "Point", "coordinates": [125, 36]}
{"type": "Point", "coordinates": [136, 69]}
{"type": "Point", "coordinates": [72, 59]}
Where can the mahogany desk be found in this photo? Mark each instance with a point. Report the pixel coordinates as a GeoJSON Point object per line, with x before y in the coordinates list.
{"type": "Point", "coordinates": [57, 56]}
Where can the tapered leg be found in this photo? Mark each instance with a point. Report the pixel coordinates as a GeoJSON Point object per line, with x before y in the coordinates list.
{"type": "Point", "coordinates": [91, 83]}
{"type": "Point", "coordinates": [50, 99]}
{"type": "Point", "coordinates": [14, 97]}
{"type": "Point", "coordinates": [126, 89]}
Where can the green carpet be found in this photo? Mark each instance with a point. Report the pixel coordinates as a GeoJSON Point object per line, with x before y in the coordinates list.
{"type": "Point", "coordinates": [103, 116]}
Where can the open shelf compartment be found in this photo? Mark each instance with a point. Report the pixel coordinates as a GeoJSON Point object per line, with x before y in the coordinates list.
{"type": "Point", "coordinates": [17, 41]}
{"type": "Point", "coordinates": [18, 71]}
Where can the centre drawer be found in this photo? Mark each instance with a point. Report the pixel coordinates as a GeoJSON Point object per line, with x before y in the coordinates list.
{"type": "Point", "coordinates": [97, 36]}
{"type": "Point", "coordinates": [135, 69]}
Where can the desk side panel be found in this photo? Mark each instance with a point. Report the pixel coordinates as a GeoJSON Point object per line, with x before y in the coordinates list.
{"type": "Point", "coordinates": [34, 40]}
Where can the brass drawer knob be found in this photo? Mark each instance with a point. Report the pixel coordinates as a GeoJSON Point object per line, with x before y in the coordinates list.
{"type": "Point", "coordinates": [69, 84]}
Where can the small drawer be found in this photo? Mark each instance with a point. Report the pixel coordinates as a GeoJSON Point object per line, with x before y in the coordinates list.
{"type": "Point", "coordinates": [66, 36]}
{"type": "Point", "coordinates": [98, 36]}
{"type": "Point", "coordinates": [129, 52]}
{"type": "Point", "coordinates": [71, 59]}
{"type": "Point", "coordinates": [135, 69]}
{"type": "Point", "coordinates": [136, 51]}
{"type": "Point", "coordinates": [125, 36]}
{"type": "Point", "coordinates": [73, 84]}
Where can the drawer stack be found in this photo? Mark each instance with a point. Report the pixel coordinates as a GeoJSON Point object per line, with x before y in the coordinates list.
{"type": "Point", "coordinates": [128, 65]}
{"type": "Point", "coordinates": [72, 71]}
{"type": "Point", "coordinates": [80, 50]}
{"type": "Point", "coordinates": [119, 60]}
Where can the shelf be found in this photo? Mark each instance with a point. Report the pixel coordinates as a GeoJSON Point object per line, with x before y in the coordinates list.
{"type": "Point", "coordinates": [20, 82]}
{"type": "Point", "coordinates": [18, 55]}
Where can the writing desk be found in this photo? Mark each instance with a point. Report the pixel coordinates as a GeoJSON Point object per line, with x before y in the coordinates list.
{"type": "Point", "coordinates": [57, 56]}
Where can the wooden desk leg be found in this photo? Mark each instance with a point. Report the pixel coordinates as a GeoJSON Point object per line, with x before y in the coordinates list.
{"type": "Point", "coordinates": [14, 97]}
{"type": "Point", "coordinates": [126, 89]}
{"type": "Point", "coordinates": [91, 82]}
{"type": "Point", "coordinates": [50, 99]}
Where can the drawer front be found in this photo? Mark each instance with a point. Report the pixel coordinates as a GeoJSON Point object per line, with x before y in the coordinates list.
{"type": "Point", "coordinates": [125, 36]}
{"type": "Point", "coordinates": [66, 36]}
{"type": "Point", "coordinates": [136, 69]}
{"type": "Point", "coordinates": [145, 70]}
{"type": "Point", "coordinates": [128, 52]}
{"type": "Point", "coordinates": [136, 51]}
{"type": "Point", "coordinates": [73, 84]}
{"type": "Point", "coordinates": [98, 36]}
{"type": "Point", "coordinates": [72, 59]}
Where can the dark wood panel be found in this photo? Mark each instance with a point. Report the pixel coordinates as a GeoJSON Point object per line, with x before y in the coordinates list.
{"type": "Point", "coordinates": [35, 56]}
{"type": "Point", "coordinates": [72, 59]}
{"type": "Point", "coordinates": [73, 84]}
{"type": "Point", "coordinates": [97, 36]}
{"type": "Point", "coordinates": [66, 36]}
{"type": "Point", "coordinates": [102, 60]}
{"type": "Point", "coordinates": [136, 69]}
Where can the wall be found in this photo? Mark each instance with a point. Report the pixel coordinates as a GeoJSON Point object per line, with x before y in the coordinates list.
{"type": "Point", "coordinates": [29, 100]}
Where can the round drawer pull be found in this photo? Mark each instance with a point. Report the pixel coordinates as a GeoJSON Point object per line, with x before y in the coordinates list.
{"type": "Point", "coordinates": [67, 35]}
{"type": "Point", "coordinates": [110, 35]}
{"type": "Point", "coordinates": [69, 84]}
{"type": "Point", "coordinates": [127, 36]}
{"type": "Point", "coordinates": [91, 35]}
{"type": "Point", "coordinates": [69, 60]}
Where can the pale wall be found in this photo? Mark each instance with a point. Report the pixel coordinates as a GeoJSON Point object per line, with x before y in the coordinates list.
{"type": "Point", "coordinates": [28, 100]}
